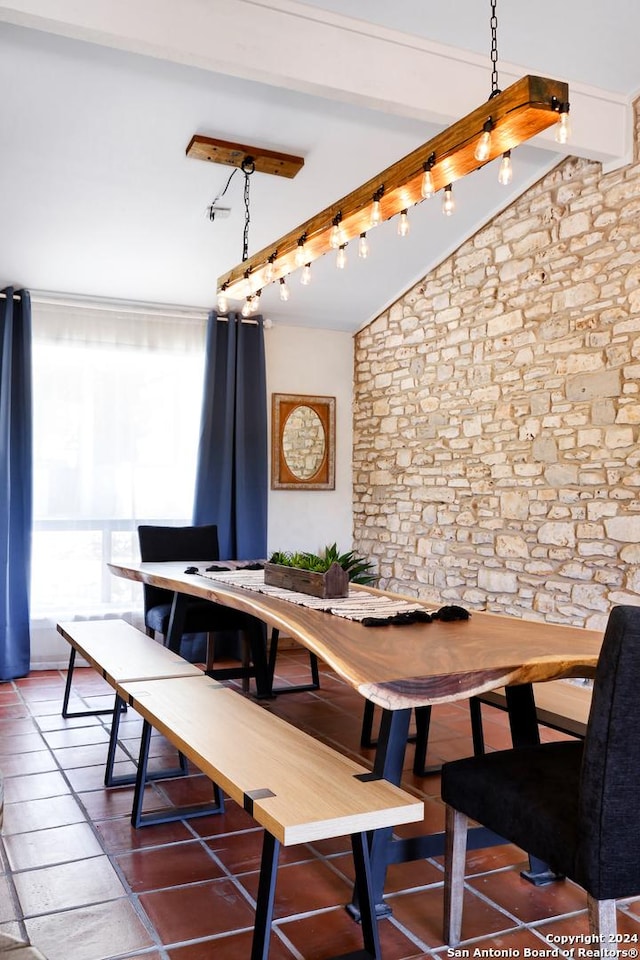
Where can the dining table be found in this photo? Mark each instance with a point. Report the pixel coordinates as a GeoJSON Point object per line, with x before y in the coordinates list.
{"type": "Point", "coordinates": [399, 667]}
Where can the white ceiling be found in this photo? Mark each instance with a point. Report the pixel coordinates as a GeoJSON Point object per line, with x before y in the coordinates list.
{"type": "Point", "coordinates": [100, 101]}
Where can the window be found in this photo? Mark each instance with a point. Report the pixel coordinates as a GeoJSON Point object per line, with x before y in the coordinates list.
{"type": "Point", "coordinates": [117, 398]}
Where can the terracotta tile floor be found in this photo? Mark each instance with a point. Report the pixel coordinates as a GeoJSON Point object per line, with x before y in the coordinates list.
{"type": "Point", "coordinates": [83, 885]}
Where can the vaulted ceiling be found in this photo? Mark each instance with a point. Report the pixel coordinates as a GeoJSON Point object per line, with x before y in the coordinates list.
{"type": "Point", "coordinates": [100, 100]}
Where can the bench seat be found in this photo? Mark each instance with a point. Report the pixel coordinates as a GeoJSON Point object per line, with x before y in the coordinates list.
{"type": "Point", "coordinates": [120, 652]}
{"type": "Point", "coordinates": [296, 787]}
{"type": "Point", "coordinates": [300, 789]}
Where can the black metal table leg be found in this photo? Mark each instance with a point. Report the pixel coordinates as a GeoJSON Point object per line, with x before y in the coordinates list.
{"type": "Point", "coordinates": [525, 732]}
{"type": "Point", "coordinates": [299, 687]}
{"type": "Point", "coordinates": [523, 721]}
{"type": "Point", "coordinates": [477, 732]}
{"type": "Point", "coordinates": [255, 631]}
{"type": "Point", "coordinates": [366, 736]}
{"type": "Point", "coordinates": [392, 742]}
{"type": "Point", "coordinates": [423, 722]}
{"type": "Point", "coordinates": [175, 628]}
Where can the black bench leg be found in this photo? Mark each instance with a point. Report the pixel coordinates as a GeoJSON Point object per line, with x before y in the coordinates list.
{"type": "Point", "coordinates": [109, 779]}
{"type": "Point", "coordinates": [266, 897]}
{"type": "Point", "coordinates": [66, 713]}
{"type": "Point", "coordinates": [125, 779]}
{"type": "Point", "coordinates": [364, 887]}
{"type": "Point", "coordinates": [140, 819]}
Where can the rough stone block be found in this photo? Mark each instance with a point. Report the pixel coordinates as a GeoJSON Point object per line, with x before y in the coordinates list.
{"type": "Point", "coordinates": [514, 505]}
{"type": "Point", "coordinates": [593, 386]}
{"type": "Point", "coordinates": [626, 529]}
{"type": "Point", "coordinates": [497, 581]}
{"type": "Point", "coordinates": [557, 533]}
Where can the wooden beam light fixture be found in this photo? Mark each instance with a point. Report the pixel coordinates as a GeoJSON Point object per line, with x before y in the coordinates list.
{"type": "Point", "coordinates": [493, 130]}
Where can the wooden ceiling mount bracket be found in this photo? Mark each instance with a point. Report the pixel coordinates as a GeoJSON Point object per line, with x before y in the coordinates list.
{"type": "Point", "coordinates": [235, 155]}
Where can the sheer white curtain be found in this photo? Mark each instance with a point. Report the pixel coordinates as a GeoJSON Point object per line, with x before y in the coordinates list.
{"type": "Point", "coordinates": [117, 397]}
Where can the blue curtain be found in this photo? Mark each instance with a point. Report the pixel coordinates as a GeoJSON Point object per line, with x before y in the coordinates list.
{"type": "Point", "coordinates": [15, 482]}
{"type": "Point", "coordinates": [232, 474]}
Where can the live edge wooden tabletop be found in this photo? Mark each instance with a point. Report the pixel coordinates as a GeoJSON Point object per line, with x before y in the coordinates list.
{"type": "Point", "coordinates": [410, 665]}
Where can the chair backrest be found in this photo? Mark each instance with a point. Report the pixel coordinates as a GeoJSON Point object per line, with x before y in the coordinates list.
{"type": "Point", "coordinates": [175, 543]}
{"type": "Point", "coordinates": [609, 852]}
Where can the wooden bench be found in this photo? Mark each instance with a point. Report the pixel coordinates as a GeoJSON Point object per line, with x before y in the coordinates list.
{"type": "Point", "coordinates": [120, 652]}
{"type": "Point", "coordinates": [299, 789]}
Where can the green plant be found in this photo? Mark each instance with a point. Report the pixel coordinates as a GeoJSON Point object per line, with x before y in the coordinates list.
{"type": "Point", "coordinates": [358, 568]}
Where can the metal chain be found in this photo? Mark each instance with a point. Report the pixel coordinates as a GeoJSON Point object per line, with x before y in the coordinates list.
{"type": "Point", "coordinates": [247, 218]}
{"type": "Point", "coordinates": [248, 167]}
{"type": "Point", "coordinates": [495, 89]}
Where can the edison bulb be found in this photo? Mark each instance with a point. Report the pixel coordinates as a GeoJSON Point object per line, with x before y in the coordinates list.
{"type": "Point", "coordinates": [483, 146]}
{"type": "Point", "coordinates": [563, 128]}
{"type": "Point", "coordinates": [505, 173]}
{"type": "Point", "coordinates": [403, 224]}
{"type": "Point", "coordinates": [363, 247]}
{"type": "Point", "coordinates": [427, 188]}
{"type": "Point", "coordinates": [448, 201]}
{"type": "Point", "coordinates": [301, 256]}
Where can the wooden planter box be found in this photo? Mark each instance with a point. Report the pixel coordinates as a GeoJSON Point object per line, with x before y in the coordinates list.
{"type": "Point", "coordinates": [333, 583]}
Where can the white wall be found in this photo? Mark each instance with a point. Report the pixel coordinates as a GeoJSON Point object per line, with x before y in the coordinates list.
{"type": "Point", "coordinates": [314, 362]}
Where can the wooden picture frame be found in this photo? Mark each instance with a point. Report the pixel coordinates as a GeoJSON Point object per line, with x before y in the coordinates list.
{"type": "Point", "coordinates": [302, 442]}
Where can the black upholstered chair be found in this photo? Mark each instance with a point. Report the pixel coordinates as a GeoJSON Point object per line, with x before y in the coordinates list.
{"type": "Point", "coordinates": [572, 804]}
{"type": "Point", "coordinates": [198, 543]}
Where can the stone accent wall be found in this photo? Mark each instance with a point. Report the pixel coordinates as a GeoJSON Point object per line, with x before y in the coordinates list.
{"type": "Point", "coordinates": [497, 411]}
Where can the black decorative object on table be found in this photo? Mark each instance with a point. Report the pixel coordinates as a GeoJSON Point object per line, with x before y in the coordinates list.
{"type": "Point", "coordinates": [451, 612]}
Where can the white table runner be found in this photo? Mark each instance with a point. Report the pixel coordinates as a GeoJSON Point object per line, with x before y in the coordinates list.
{"type": "Point", "coordinates": [367, 608]}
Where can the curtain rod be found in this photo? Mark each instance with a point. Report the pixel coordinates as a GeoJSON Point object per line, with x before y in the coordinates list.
{"type": "Point", "coordinates": [47, 298]}
{"type": "Point", "coordinates": [41, 297]}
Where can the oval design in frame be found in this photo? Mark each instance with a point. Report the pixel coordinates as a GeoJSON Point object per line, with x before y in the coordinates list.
{"type": "Point", "coordinates": [302, 442]}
